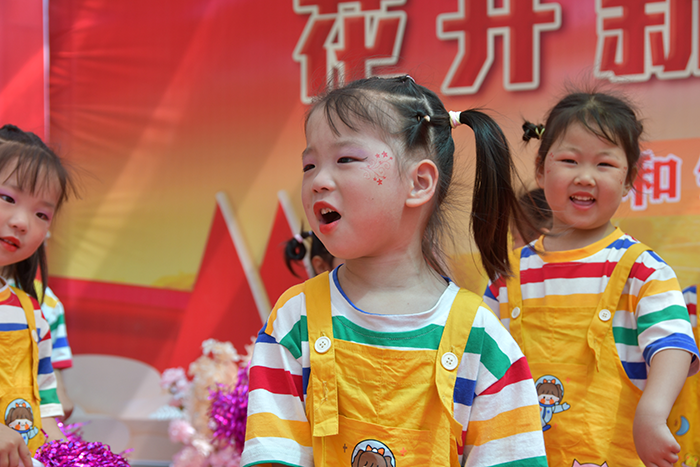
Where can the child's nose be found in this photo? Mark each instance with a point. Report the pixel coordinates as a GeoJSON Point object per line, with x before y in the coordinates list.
{"type": "Point", "coordinates": [323, 181]}
{"type": "Point", "coordinates": [19, 222]}
{"type": "Point", "coordinates": [585, 177]}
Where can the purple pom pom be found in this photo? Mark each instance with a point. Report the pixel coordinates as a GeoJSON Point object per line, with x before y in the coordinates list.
{"type": "Point", "coordinates": [64, 453]}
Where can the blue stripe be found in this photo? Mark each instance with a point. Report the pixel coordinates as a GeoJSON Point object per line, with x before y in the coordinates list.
{"type": "Point", "coordinates": [489, 294]}
{"type": "Point", "coordinates": [527, 251]}
{"type": "Point", "coordinates": [13, 326]}
{"type": "Point", "coordinates": [45, 366]}
{"type": "Point", "coordinates": [305, 374]}
{"type": "Point", "coordinates": [464, 391]}
{"type": "Point", "coordinates": [60, 342]}
{"type": "Point", "coordinates": [635, 370]}
{"type": "Point", "coordinates": [692, 288]}
{"type": "Point", "coordinates": [674, 341]}
{"type": "Point", "coordinates": [621, 244]}
{"type": "Point", "coordinates": [265, 338]}
{"type": "Point", "coordinates": [656, 257]}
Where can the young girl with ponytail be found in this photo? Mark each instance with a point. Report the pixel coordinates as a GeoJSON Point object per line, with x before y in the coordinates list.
{"type": "Point", "coordinates": [385, 361]}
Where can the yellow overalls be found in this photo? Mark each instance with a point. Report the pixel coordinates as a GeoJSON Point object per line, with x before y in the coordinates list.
{"type": "Point", "coordinates": [684, 420]}
{"type": "Point", "coordinates": [587, 402]}
{"type": "Point", "coordinates": [19, 366]}
{"type": "Point", "coordinates": [369, 406]}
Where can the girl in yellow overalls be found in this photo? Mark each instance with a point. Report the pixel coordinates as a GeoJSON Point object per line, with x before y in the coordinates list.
{"type": "Point", "coordinates": [599, 316]}
{"type": "Point", "coordinates": [385, 361]}
{"type": "Point", "coordinates": [33, 185]}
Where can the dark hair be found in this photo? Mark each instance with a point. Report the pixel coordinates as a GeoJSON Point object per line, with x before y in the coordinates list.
{"type": "Point", "coordinates": [36, 167]}
{"type": "Point", "coordinates": [295, 250]}
{"type": "Point", "coordinates": [418, 119]}
{"type": "Point", "coordinates": [610, 117]}
{"type": "Point", "coordinates": [535, 207]}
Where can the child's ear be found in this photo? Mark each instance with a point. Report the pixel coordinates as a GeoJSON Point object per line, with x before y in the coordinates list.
{"type": "Point", "coordinates": [539, 175]}
{"type": "Point", "coordinates": [424, 178]}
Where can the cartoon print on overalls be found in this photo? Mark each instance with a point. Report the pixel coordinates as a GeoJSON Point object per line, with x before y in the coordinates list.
{"type": "Point", "coordinates": [550, 392]}
{"type": "Point", "coordinates": [576, 464]}
{"type": "Point", "coordinates": [691, 460]}
{"type": "Point", "coordinates": [19, 417]}
{"type": "Point", "coordinates": [374, 453]}
{"type": "Point", "coordinates": [684, 426]}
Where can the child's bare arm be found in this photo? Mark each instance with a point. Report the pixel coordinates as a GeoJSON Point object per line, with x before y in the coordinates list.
{"type": "Point", "coordinates": [652, 438]}
{"type": "Point", "coordinates": [13, 451]}
{"type": "Point", "coordinates": [50, 427]}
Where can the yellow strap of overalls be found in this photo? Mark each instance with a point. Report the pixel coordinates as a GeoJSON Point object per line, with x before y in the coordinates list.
{"type": "Point", "coordinates": [515, 299]}
{"type": "Point", "coordinates": [31, 324]}
{"type": "Point", "coordinates": [602, 321]}
{"type": "Point", "coordinates": [318, 316]}
{"type": "Point", "coordinates": [454, 339]}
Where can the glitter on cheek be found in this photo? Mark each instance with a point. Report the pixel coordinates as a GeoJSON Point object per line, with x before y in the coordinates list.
{"type": "Point", "coordinates": [378, 167]}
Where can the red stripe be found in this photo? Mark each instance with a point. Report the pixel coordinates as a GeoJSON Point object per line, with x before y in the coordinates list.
{"type": "Point", "coordinates": [518, 371]}
{"type": "Point", "coordinates": [692, 309]}
{"type": "Point", "coordinates": [572, 270]}
{"type": "Point", "coordinates": [276, 381]}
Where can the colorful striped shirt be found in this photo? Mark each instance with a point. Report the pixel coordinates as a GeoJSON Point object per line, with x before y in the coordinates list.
{"type": "Point", "coordinates": [12, 318]}
{"type": "Point", "coordinates": [51, 306]}
{"type": "Point", "coordinates": [494, 396]}
{"type": "Point", "coordinates": [651, 315]}
{"type": "Point", "coordinates": [690, 295]}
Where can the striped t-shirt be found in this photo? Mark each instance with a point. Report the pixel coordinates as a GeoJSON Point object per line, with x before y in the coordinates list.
{"type": "Point", "coordinates": [691, 301]}
{"type": "Point", "coordinates": [12, 318]}
{"type": "Point", "coordinates": [494, 397]}
{"type": "Point", "coordinates": [651, 314]}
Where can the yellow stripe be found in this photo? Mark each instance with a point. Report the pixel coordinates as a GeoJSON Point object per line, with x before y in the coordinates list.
{"type": "Point", "coordinates": [267, 425]}
{"type": "Point", "coordinates": [289, 293]}
{"type": "Point", "coordinates": [658, 287]}
{"type": "Point", "coordinates": [503, 425]}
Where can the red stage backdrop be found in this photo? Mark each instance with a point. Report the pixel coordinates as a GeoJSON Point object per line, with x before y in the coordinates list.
{"type": "Point", "coordinates": [162, 104]}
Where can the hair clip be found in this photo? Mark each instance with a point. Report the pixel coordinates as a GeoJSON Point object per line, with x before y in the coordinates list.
{"type": "Point", "coordinates": [411, 78]}
{"type": "Point", "coordinates": [298, 238]}
{"type": "Point", "coordinates": [540, 131]}
{"type": "Point", "coordinates": [426, 118]}
{"type": "Point", "coordinates": [454, 118]}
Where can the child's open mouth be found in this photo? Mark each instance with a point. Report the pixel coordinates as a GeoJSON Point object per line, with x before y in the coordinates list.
{"type": "Point", "coordinates": [328, 216]}
{"type": "Point", "coordinates": [582, 200]}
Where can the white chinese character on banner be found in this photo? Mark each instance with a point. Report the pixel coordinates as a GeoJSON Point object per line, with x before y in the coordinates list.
{"type": "Point", "coordinates": [658, 180]}
{"type": "Point", "coordinates": [343, 41]}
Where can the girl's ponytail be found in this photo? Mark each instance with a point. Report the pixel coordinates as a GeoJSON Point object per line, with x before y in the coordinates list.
{"type": "Point", "coordinates": [494, 200]}
{"type": "Point", "coordinates": [295, 250]}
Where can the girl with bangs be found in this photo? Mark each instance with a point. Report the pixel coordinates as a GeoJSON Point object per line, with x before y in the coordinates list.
{"type": "Point", "coordinates": [384, 361]}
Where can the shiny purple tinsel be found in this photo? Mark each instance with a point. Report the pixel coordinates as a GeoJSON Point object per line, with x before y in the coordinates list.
{"type": "Point", "coordinates": [73, 431]}
{"type": "Point", "coordinates": [64, 453]}
{"type": "Point", "coordinates": [228, 412]}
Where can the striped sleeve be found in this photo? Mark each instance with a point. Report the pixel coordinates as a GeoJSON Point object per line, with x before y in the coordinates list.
{"type": "Point", "coordinates": [277, 429]}
{"type": "Point", "coordinates": [662, 318]}
{"type": "Point", "coordinates": [502, 426]}
{"type": "Point", "coordinates": [690, 295]}
{"type": "Point", "coordinates": [61, 355]}
{"type": "Point", "coordinates": [46, 380]}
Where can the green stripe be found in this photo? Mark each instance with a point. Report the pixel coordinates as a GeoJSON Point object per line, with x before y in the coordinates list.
{"type": "Point", "coordinates": [60, 320]}
{"type": "Point", "coordinates": [668, 313]}
{"type": "Point", "coordinates": [49, 396]}
{"type": "Point", "coordinates": [531, 462]}
{"type": "Point", "coordinates": [625, 336]}
{"type": "Point", "coordinates": [293, 339]}
{"type": "Point", "coordinates": [427, 337]}
{"type": "Point", "coordinates": [492, 357]}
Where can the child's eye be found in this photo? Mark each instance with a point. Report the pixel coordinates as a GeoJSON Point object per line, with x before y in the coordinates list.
{"type": "Point", "coordinates": [568, 161]}
{"type": "Point", "coordinates": [308, 167]}
{"type": "Point", "coordinates": [7, 198]}
{"type": "Point", "coordinates": [43, 216]}
{"type": "Point", "coordinates": [345, 160]}
{"type": "Point", "coordinates": [606, 164]}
